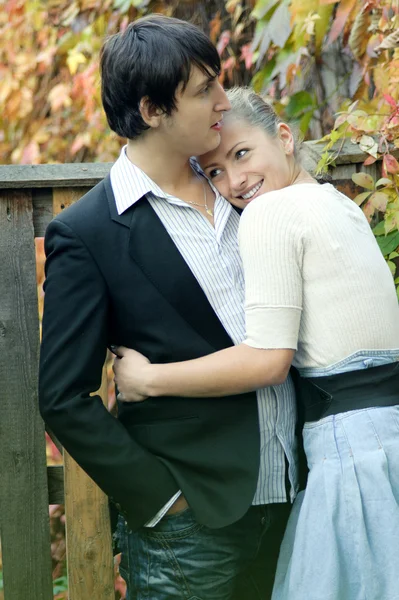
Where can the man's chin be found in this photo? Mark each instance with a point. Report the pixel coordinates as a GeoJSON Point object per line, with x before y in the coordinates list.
{"type": "Point", "coordinates": [212, 143]}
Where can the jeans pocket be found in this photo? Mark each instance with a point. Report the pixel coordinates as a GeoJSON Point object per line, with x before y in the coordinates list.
{"type": "Point", "coordinates": [175, 526]}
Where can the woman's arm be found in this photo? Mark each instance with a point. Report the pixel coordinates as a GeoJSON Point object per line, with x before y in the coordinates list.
{"type": "Point", "coordinates": [232, 371]}
{"type": "Point", "coordinates": [271, 246]}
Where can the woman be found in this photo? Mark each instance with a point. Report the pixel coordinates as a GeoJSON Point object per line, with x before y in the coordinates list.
{"type": "Point", "coordinates": [319, 296]}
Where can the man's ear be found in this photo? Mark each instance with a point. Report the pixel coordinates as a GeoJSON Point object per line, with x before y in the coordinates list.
{"type": "Point", "coordinates": [151, 114]}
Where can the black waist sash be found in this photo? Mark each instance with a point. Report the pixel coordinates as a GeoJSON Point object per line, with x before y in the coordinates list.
{"type": "Point", "coordinates": [320, 397]}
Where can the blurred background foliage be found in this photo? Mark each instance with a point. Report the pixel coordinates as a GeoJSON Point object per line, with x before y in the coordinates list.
{"type": "Point", "coordinates": [311, 58]}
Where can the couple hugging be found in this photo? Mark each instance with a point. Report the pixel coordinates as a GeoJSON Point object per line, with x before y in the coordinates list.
{"type": "Point", "coordinates": [212, 315]}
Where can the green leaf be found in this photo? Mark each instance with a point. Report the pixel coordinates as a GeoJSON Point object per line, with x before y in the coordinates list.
{"type": "Point", "coordinates": [379, 229]}
{"type": "Point", "coordinates": [393, 255]}
{"type": "Point", "coordinates": [261, 78]}
{"type": "Point", "coordinates": [305, 122]}
{"type": "Point", "coordinates": [280, 25]}
{"type": "Point", "coordinates": [392, 267]}
{"type": "Point", "coordinates": [60, 585]}
{"type": "Point", "coordinates": [388, 243]}
{"type": "Point", "coordinates": [298, 104]}
{"type": "Point", "coordinates": [122, 5]}
{"type": "Point", "coordinates": [364, 180]}
{"type": "Point", "coordinates": [262, 7]}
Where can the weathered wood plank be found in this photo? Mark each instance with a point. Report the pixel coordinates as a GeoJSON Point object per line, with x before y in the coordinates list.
{"type": "Point", "coordinates": [89, 174]}
{"type": "Point", "coordinates": [349, 152]}
{"type": "Point", "coordinates": [24, 517]}
{"type": "Point", "coordinates": [88, 530]}
{"type": "Point", "coordinates": [65, 175]}
{"type": "Point", "coordinates": [42, 209]}
{"type": "Point", "coordinates": [64, 197]}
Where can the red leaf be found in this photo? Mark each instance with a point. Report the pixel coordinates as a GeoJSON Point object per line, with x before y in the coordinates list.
{"type": "Point", "coordinates": [390, 100]}
{"type": "Point", "coordinates": [246, 55]}
{"type": "Point", "coordinates": [391, 164]}
{"type": "Point", "coordinates": [343, 11]}
{"type": "Point", "coordinates": [369, 161]}
{"type": "Point", "coordinates": [223, 42]}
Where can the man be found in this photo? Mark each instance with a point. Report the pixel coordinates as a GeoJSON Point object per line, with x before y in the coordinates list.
{"type": "Point", "coordinates": [149, 259]}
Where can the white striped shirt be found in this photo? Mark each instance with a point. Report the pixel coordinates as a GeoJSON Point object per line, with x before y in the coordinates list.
{"type": "Point", "coordinates": [214, 259]}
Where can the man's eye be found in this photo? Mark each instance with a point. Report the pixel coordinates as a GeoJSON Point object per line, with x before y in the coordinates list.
{"type": "Point", "coordinates": [214, 173]}
{"type": "Point", "coordinates": [241, 153]}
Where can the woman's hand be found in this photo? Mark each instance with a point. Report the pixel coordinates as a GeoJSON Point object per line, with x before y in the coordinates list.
{"type": "Point", "coordinates": [132, 371]}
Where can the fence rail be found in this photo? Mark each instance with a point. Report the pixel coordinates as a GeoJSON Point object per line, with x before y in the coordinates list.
{"type": "Point", "coordinates": [29, 198]}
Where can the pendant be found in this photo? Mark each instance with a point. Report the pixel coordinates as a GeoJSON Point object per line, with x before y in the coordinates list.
{"type": "Point", "coordinates": [209, 212]}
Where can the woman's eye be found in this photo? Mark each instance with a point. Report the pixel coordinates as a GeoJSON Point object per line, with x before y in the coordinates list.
{"type": "Point", "coordinates": [214, 173]}
{"type": "Point", "coordinates": [241, 153]}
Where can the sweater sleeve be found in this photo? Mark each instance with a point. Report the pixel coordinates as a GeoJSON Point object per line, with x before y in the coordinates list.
{"type": "Point", "coordinates": [271, 237]}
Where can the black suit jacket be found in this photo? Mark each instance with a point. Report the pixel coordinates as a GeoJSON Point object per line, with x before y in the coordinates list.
{"type": "Point", "coordinates": [120, 280]}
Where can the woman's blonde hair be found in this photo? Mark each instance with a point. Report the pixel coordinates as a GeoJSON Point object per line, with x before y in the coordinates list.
{"type": "Point", "coordinates": [248, 106]}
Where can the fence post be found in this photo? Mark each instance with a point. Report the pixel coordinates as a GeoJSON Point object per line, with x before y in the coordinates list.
{"type": "Point", "coordinates": [88, 533]}
{"type": "Point", "coordinates": [24, 515]}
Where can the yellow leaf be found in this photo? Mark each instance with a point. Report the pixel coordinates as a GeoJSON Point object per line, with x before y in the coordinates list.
{"type": "Point", "coordinates": [59, 96]}
{"type": "Point", "coordinates": [321, 26]}
{"type": "Point", "coordinates": [379, 200]}
{"type": "Point", "coordinates": [358, 38]}
{"type": "Point", "coordinates": [369, 145]}
{"type": "Point", "coordinates": [74, 60]}
{"type": "Point", "coordinates": [364, 180]}
{"type": "Point", "coordinates": [391, 41]}
{"type": "Point", "coordinates": [360, 198]}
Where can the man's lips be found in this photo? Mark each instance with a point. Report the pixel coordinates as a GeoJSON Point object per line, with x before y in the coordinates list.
{"type": "Point", "coordinates": [217, 126]}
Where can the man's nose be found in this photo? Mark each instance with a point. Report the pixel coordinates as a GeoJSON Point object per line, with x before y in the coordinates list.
{"type": "Point", "coordinates": [222, 102]}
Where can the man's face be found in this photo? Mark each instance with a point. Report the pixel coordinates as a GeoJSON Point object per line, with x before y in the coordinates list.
{"type": "Point", "coordinates": [194, 127]}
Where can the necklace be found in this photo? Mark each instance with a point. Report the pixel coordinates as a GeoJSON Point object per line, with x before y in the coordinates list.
{"type": "Point", "coordinates": [208, 210]}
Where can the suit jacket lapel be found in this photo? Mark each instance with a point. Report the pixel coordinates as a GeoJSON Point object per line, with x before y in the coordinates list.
{"type": "Point", "coordinates": [152, 248]}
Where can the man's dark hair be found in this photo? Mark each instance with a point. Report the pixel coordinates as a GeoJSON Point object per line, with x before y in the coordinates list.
{"type": "Point", "coordinates": [150, 58]}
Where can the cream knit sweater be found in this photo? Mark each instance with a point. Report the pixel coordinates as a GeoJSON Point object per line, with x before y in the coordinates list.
{"type": "Point", "coordinates": [315, 278]}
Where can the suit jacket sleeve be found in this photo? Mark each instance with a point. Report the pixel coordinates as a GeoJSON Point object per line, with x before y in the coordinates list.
{"type": "Point", "coordinates": [74, 342]}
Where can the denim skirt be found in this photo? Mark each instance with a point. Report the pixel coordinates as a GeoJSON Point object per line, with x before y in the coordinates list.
{"type": "Point", "coordinates": [342, 538]}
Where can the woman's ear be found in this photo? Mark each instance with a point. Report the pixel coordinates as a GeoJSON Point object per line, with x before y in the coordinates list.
{"type": "Point", "coordinates": [286, 137]}
{"type": "Point", "coordinates": [151, 114]}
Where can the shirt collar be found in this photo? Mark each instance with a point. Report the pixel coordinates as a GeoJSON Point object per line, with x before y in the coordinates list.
{"type": "Point", "coordinates": [129, 183]}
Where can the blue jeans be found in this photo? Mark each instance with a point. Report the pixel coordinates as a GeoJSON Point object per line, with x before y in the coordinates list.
{"type": "Point", "coordinates": [362, 359]}
{"type": "Point", "coordinates": [180, 559]}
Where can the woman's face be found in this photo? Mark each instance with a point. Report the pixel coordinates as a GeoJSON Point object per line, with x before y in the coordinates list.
{"type": "Point", "coordinates": [248, 162]}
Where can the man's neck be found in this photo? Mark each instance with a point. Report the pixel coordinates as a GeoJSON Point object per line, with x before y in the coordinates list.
{"type": "Point", "coordinates": [169, 171]}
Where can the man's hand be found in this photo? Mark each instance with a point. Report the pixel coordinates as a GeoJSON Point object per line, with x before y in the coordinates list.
{"type": "Point", "coordinates": [180, 505]}
{"type": "Point", "coordinates": [131, 371]}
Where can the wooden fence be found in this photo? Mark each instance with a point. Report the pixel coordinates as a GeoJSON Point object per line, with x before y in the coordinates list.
{"type": "Point", "coordinates": [29, 198]}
